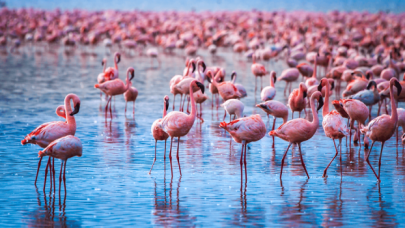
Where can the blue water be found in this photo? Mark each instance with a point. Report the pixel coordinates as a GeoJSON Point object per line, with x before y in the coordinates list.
{"type": "Point", "coordinates": [110, 186]}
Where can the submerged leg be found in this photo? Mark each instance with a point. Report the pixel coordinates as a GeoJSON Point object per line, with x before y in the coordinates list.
{"type": "Point", "coordinates": [326, 169]}
{"type": "Point", "coordinates": [282, 161]}
{"type": "Point", "coordinates": [178, 158]}
{"type": "Point", "coordinates": [368, 162]}
{"type": "Point", "coordinates": [39, 165]}
{"type": "Point", "coordinates": [154, 158]}
{"type": "Point", "coordinates": [302, 160]}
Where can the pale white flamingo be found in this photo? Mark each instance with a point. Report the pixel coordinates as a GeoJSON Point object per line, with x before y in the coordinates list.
{"type": "Point", "coordinates": [269, 92]}
{"type": "Point", "coordinates": [233, 107]}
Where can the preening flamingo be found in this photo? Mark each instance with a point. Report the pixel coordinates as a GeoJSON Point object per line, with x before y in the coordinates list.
{"type": "Point", "coordinates": [333, 125]}
{"type": "Point", "coordinates": [116, 86]}
{"type": "Point", "coordinates": [233, 107]}
{"type": "Point", "coordinates": [269, 92]}
{"type": "Point", "coordinates": [157, 132]}
{"type": "Point", "coordinates": [276, 109]}
{"type": "Point", "coordinates": [383, 127]}
{"type": "Point", "coordinates": [178, 124]}
{"type": "Point", "coordinates": [297, 101]}
{"type": "Point", "coordinates": [245, 130]}
{"type": "Point", "coordinates": [49, 132]}
{"type": "Point", "coordinates": [111, 73]}
{"type": "Point", "coordinates": [63, 149]}
{"type": "Point", "coordinates": [299, 130]}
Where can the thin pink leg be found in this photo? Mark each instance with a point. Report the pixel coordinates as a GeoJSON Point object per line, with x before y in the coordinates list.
{"type": "Point", "coordinates": [178, 158]}
{"type": "Point", "coordinates": [53, 170]}
{"type": "Point", "coordinates": [60, 175]}
{"type": "Point", "coordinates": [39, 165]}
{"type": "Point", "coordinates": [282, 160]}
{"type": "Point", "coordinates": [326, 169]}
{"type": "Point", "coordinates": [367, 159]}
{"type": "Point", "coordinates": [170, 155]}
{"type": "Point", "coordinates": [64, 175]}
{"type": "Point", "coordinates": [154, 158]}
{"type": "Point", "coordinates": [379, 162]}
{"type": "Point", "coordinates": [164, 156]}
{"type": "Point", "coordinates": [46, 172]}
{"type": "Point", "coordinates": [302, 160]}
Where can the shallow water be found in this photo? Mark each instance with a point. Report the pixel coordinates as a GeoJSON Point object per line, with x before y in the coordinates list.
{"type": "Point", "coordinates": [110, 186]}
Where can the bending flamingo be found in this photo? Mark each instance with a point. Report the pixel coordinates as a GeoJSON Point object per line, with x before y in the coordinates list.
{"type": "Point", "coordinates": [157, 132]}
{"type": "Point", "coordinates": [233, 107]}
{"type": "Point", "coordinates": [111, 73]}
{"type": "Point", "coordinates": [276, 109]}
{"type": "Point", "coordinates": [299, 130]}
{"type": "Point", "coordinates": [269, 92]}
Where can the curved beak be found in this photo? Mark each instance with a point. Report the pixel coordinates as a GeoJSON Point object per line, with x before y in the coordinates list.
{"type": "Point", "coordinates": [203, 66]}
{"type": "Point", "coordinates": [275, 78]}
{"type": "Point", "coordinates": [193, 64]}
{"type": "Point", "coordinates": [305, 94]}
{"type": "Point", "coordinates": [333, 85]}
{"type": "Point", "coordinates": [399, 87]}
{"type": "Point", "coordinates": [199, 84]}
{"type": "Point", "coordinates": [167, 104]}
{"type": "Point", "coordinates": [118, 58]}
{"type": "Point", "coordinates": [370, 84]}
{"type": "Point", "coordinates": [320, 87]}
{"type": "Point", "coordinates": [132, 75]}
{"type": "Point", "coordinates": [76, 110]}
{"type": "Point", "coordinates": [320, 103]}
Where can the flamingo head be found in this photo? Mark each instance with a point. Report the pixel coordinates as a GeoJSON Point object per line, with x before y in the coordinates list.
{"type": "Point", "coordinates": [198, 86]}
{"type": "Point", "coordinates": [263, 106]}
{"type": "Point", "coordinates": [233, 75]}
{"type": "Point", "coordinates": [118, 57]}
{"type": "Point", "coordinates": [273, 74]}
{"type": "Point", "coordinates": [396, 84]}
{"type": "Point", "coordinates": [371, 84]}
{"type": "Point", "coordinates": [166, 100]}
{"type": "Point", "coordinates": [131, 71]}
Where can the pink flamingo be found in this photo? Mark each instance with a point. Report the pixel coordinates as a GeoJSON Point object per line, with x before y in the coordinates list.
{"type": "Point", "coordinates": [115, 87]}
{"type": "Point", "coordinates": [289, 75]}
{"type": "Point", "coordinates": [233, 107]}
{"type": "Point", "coordinates": [333, 126]}
{"type": "Point", "coordinates": [63, 149]}
{"type": "Point", "coordinates": [269, 92]}
{"type": "Point", "coordinates": [130, 95]}
{"type": "Point", "coordinates": [157, 132]}
{"type": "Point", "coordinates": [276, 109]}
{"type": "Point", "coordinates": [305, 69]}
{"type": "Point", "coordinates": [299, 130]}
{"type": "Point", "coordinates": [297, 101]}
{"type": "Point", "coordinates": [357, 111]}
{"type": "Point", "coordinates": [383, 127]}
{"type": "Point", "coordinates": [245, 130]}
{"type": "Point", "coordinates": [48, 132]}
{"type": "Point", "coordinates": [312, 80]}
{"type": "Point", "coordinates": [101, 76]}
{"type": "Point", "coordinates": [258, 70]}
{"type": "Point", "coordinates": [227, 90]}
{"type": "Point", "coordinates": [111, 73]}
{"type": "Point", "coordinates": [178, 124]}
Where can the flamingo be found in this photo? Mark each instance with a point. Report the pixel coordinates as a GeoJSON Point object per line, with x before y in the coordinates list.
{"type": "Point", "coordinates": [401, 120]}
{"type": "Point", "coordinates": [383, 127]}
{"type": "Point", "coordinates": [276, 109]}
{"type": "Point", "coordinates": [297, 101]}
{"type": "Point", "coordinates": [369, 97]}
{"type": "Point", "coordinates": [178, 124]}
{"type": "Point", "coordinates": [153, 53]}
{"type": "Point", "coordinates": [269, 92]}
{"type": "Point", "coordinates": [299, 130]}
{"type": "Point", "coordinates": [333, 126]}
{"type": "Point", "coordinates": [227, 90]}
{"type": "Point", "coordinates": [111, 73]}
{"type": "Point", "coordinates": [130, 95]}
{"type": "Point", "coordinates": [289, 75]}
{"type": "Point", "coordinates": [357, 111]}
{"type": "Point", "coordinates": [312, 80]}
{"type": "Point", "coordinates": [177, 78]}
{"type": "Point", "coordinates": [48, 132]}
{"type": "Point", "coordinates": [184, 84]}
{"type": "Point", "coordinates": [116, 86]}
{"type": "Point", "coordinates": [305, 69]}
{"type": "Point", "coordinates": [233, 107]}
{"type": "Point", "coordinates": [200, 98]}
{"type": "Point", "coordinates": [245, 130]}
{"type": "Point", "coordinates": [240, 87]}
{"type": "Point", "coordinates": [63, 149]}
{"type": "Point", "coordinates": [101, 76]}
{"type": "Point", "coordinates": [356, 86]}
{"type": "Point", "coordinates": [258, 70]}
{"type": "Point", "coordinates": [219, 77]}
{"type": "Point", "coordinates": [157, 132]}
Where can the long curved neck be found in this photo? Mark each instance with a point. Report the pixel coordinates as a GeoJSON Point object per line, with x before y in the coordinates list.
{"type": "Point", "coordinates": [69, 119]}
{"type": "Point", "coordinates": [105, 64]}
{"type": "Point", "coordinates": [164, 109]}
{"type": "Point", "coordinates": [314, 74]}
{"type": "Point", "coordinates": [234, 79]}
{"type": "Point", "coordinates": [271, 80]}
{"type": "Point", "coordinates": [115, 62]}
{"type": "Point", "coordinates": [325, 109]}
{"type": "Point", "coordinates": [315, 119]}
{"type": "Point", "coordinates": [394, 114]}
{"type": "Point", "coordinates": [254, 57]}
{"type": "Point", "coordinates": [192, 102]}
{"type": "Point", "coordinates": [128, 82]}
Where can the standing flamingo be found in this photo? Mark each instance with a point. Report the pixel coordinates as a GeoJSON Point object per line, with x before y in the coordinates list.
{"type": "Point", "coordinates": [258, 70]}
{"type": "Point", "coordinates": [101, 76]}
{"type": "Point", "coordinates": [63, 149]}
{"type": "Point", "coordinates": [357, 111]}
{"type": "Point", "coordinates": [115, 87]}
{"type": "Point", "coordinates": [245, 130]}
{"type": "Point", "coordinates": [178, 124]}
{"type": "Point", "coordinates": [130, 95]}
{"type": "Point", "coordinates": [233, 107]}
{"type": "Point", "coordinates": [269, 92]}
{"type": "Point", "coordinates": [227, 90]}
{"type": "Point", "coordinates": [383, 127]}
{"type": "Point", "coordinates": [289, 75]}
{"type": "Point", "coordinates": [333, 126]}
{"type": "Point", "coordinates": [158, 133]}
{"type": "Point", "coordinates": [276, 109]}
{"type": "Point", "coordinates": [312, 80]}
{"type": "Point", "coordinates": [48, 132]}
{"type": "Point", "coordinates": [299, 130]}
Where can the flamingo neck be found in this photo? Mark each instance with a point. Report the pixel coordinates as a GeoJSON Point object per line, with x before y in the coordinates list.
{"type": "Point", "coordinates": [115, 62]}
{"type": "Point", "coordinates": [104, 66]}
{"type": "Point", "coordinates": [233, 79]}
{"type": "Point", "coordinates": [394, 113]}
{"type": "Point", "coordinates": [314, 74]}
{"type": "Point", "coordinates": [71, 121]}
{"type": "Point", "coordinates": [315, 119]}
{"type": "Point", "coordinates": [325, 109]}
{"type": "Point", "coordinates": [164, 109]}
{"type": "Point", "coordinates": [271, 81]}
{"type": "Point", "coordinates": [192, 102]}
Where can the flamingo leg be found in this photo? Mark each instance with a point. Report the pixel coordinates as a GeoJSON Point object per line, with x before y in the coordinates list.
{"type": "Point", "coordinates": [326, 169]}
{"type": "Point", "coordinates": [181, 99]}
{"type": "Point", "coordinates": [340, 154]}
{"type": "Point", "coordinates": [261, 83]}
{"type": "Point", "coordinates": [39, 165]}
{"type": "Point", "coordinates": [46, 172]}
{"type": "Point", "coordinates": [60, 175]}
{"type": "Point", "coordinates": [282, 161]}
{"type": "Point", "coordinates": [53, 171]}
{"type": "Point", "coordinates": [133, 108]}
{"type": "Point", "coordinates": [225, 115]}
{"type": "Point", "coordinates": [126, 107]}
{"type": "Point", "coordinates": [64, 175]}
{"type": "Point", "coordinates": [174, 100]}
{"type": "Point", "coordinates": [241, 166]}
{"type": "Point", "coordinates": [164, 156]}
{"type": "Point", "coordinates": [154, 158]}
{"type": "Point", "coordinates": [379, 162]}
{"type": "Point", "coordinates": [178, 158]}
{"type": "Point", "coordinates": [367, 159]}
{"type": "Point", "coordinates": [50, 175]}
{"type": "Point", "coordinates": [302, 160]}
{"type": "Point", "coordinates": [245, 163]}
{"type": "Point", "coordinates": [274, 123]}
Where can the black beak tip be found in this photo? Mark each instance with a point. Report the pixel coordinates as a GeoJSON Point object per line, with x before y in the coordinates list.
{"type": "Point", "coordinates": [305, 94]}
{"type": "Point", "coordinates": [320, 87]}
{"type": "Point", "coordinates": [201, 86]}
{"type": "Point", "coordinates": [320, 103]}
{"type": "Point", "coordinates": [76, 110]}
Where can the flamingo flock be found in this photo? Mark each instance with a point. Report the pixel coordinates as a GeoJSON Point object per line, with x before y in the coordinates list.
{"type": "Point", "coordinates": [318, 53]}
